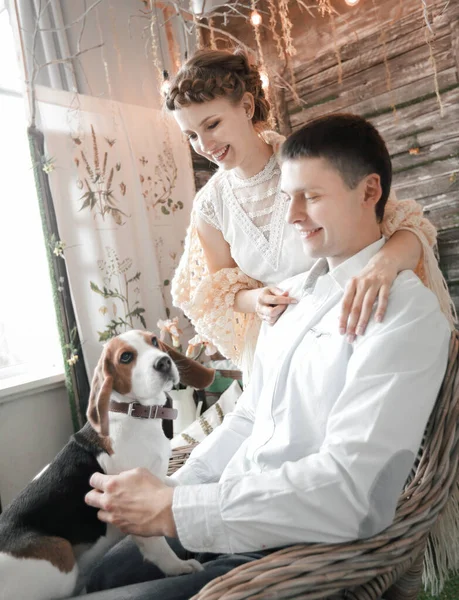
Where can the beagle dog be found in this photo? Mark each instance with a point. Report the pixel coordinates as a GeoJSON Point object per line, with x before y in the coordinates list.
{"type": "Point", "coordinates": [49, 538]}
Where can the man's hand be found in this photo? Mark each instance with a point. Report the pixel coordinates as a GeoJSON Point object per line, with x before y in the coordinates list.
{"type": "Point", "coordinates": [135, 501]}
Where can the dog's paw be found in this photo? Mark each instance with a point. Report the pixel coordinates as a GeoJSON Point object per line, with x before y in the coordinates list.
{"type": "Point", "coordinates": [185, 567]}
{"type": "Point", "coordinates": [193, 566]}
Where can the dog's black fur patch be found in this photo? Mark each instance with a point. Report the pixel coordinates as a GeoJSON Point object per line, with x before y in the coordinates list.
{"type": "Point", "coordinates": [53, 504]}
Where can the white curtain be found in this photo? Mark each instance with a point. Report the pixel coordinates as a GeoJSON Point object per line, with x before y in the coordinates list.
{"type": "Point", "coordinates": [122, 186]}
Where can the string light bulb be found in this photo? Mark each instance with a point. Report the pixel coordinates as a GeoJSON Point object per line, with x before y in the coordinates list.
{"type": "Point", "coordinates": [351, 2]}
{"type": "Point", "coordinates": [255, 18]}
{"type": "Point", "coordinates": [264, 80]}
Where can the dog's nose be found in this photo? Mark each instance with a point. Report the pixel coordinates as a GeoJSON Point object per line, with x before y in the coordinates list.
{"type": "Point", "coordinates": [163, 364]}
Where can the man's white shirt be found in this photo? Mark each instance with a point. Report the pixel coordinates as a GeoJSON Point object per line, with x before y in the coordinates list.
{"type": "Point", "coordinates": [325, 435]}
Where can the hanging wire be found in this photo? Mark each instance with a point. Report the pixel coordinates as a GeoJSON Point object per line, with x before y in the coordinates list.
{"type": "Point", "coordinates": [160, 44]}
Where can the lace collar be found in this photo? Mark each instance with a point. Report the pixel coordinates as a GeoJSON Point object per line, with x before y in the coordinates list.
{"type": "Point", "coordinates": [263, 175]}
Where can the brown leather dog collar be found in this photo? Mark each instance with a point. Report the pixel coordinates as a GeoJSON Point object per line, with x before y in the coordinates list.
{"type": "Point", "coordinates": [139, 411]}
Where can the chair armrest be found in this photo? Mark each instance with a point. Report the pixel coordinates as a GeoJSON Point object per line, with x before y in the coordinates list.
{"type": "Point", "coordinates": [179, 457]}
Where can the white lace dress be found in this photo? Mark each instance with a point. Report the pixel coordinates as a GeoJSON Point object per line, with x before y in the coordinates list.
{"type": "Point", "coordinates": [251, 214]}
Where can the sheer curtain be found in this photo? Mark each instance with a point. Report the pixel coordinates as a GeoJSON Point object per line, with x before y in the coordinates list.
{"type": "Point", "coordinates": [113, 175]}
{"type": "Point", "coordinates": [122, 186]}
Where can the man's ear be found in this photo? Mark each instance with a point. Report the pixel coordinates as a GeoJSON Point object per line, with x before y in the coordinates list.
{"type": "Point", "coordinates": [99, 397]}
{"type": "Point", "coordinates": [372, 190]}
{"type": "Point", "coordinates": [191, 372]}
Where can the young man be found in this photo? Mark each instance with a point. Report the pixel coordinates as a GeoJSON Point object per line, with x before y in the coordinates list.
{"type": "Point", "coordinates": [325, 435]}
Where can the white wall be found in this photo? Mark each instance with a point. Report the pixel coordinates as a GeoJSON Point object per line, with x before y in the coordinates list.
{"type": "Point", "coordinates": [34, 426]}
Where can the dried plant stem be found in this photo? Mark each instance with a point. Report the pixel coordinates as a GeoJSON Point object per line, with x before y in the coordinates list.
{"type": "Point", "coordinates": [433, 62]}
{"type": "Point", "coordinates": [385, 58]}
{"type": "Point", "coordinates": [256, 29]}
{"type": "Point", "coordinates": [272, 28]}
{"type": "Point", "coordinates": [336, 47]}
{"type": "Point", "coordinates": [286, 28]}
{"type": "Point", "coordinates": [213, 43]}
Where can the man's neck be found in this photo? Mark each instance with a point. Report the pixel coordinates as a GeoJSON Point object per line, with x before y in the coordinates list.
{"type": "Point", "coordinates": [363, 241]}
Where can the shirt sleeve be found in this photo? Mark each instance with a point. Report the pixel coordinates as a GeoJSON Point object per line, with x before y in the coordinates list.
{"type": "Point", "coordinates": [350, 488]}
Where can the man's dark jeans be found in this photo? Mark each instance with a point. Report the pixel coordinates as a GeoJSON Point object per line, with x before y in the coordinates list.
{"type": "Point", "coordinates": [123, 574]}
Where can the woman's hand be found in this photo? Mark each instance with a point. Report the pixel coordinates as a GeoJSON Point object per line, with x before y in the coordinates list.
{"type": "Point", "coordinates": [373, 283]}
{"type": "Point", "coordinates": [271, 303]}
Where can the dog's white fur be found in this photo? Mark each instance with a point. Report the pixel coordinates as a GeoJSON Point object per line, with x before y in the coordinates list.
{"type": "Point", "coordinates": [33, 579]}
{"type": "Point", "coordinates": [135, 443]}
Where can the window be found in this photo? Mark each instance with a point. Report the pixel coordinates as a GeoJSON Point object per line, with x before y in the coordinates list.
{"type": "Point", "coordinates": [29, 341]}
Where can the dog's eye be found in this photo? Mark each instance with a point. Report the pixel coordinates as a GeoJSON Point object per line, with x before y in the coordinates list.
{"type": "Point", "coordinates": [126, 357]}
{"type": "Point", "coordinates": [154, 341]}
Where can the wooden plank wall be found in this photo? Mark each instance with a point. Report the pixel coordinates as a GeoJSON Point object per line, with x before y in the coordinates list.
{"type": "Point", "coordinates": [374, 39]}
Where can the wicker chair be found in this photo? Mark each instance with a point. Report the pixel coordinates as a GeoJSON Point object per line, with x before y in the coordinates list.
{"type": "Point", "coordinates": [389, 564]}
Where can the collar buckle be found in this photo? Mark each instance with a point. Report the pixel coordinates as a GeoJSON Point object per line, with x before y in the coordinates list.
{"type": "Point", "coordinates": [131, 408]}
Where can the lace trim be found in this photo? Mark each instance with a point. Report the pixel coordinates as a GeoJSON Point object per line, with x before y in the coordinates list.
{"type": "Point", "coordinates": [269, 170]}
{"type": "Point", "coordinates": [262, 212]}
{"type": "Point", "coordinates": [270, 249]}
{"type": "Point", "coordinates": [256, 197]}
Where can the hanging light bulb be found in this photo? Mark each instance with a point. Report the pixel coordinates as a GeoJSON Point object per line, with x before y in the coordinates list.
{"type": "Point", "coordinates": [264, 80]}
{"type": "Point", "coordinates": [255, 18]}
{"type": "Point", "coordinates": [351, 2]}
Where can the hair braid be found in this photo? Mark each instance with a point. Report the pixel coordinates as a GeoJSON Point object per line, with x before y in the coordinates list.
{"type": "Point", "coordinates": [211, 74]}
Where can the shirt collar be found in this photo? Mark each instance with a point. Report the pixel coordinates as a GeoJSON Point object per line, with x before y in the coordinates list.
{"type": "Point", "coordinates": [352, 266]}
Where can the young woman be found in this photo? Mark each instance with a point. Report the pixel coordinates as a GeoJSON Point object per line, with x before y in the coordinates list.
{"type": "Point", "coordinates": [238, 246]}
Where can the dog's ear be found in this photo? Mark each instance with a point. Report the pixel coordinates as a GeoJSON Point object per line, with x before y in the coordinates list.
{"type": "Point", "coordinates": [191, 372]}
{"type": "Point", "coordinates": [99, 397]}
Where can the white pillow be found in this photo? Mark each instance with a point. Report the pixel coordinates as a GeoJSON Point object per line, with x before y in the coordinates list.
{"type": "Point", "coordinates": [183, 401]}
{"type": "Point", "coordinates": [212, 418]}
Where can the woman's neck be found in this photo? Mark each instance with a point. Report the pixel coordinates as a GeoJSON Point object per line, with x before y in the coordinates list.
{"type": "Point", "coordinates": [258, 154]}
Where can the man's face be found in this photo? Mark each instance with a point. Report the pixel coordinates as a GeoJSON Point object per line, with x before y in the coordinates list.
{"type": "Point", "coordinates": [327, 214]}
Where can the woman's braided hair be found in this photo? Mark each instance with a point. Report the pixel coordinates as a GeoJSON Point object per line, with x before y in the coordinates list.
{"type": "Point", "coordinates": [211, 74]}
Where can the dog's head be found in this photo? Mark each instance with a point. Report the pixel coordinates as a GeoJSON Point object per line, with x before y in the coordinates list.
{"type": "Point", "coordinates": [138, 365]}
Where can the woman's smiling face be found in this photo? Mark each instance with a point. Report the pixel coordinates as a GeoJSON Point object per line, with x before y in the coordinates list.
{"type": "Point", "coordinates": [219, 130]}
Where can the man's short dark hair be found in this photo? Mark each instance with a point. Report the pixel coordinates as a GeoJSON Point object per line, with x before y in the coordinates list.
{"type": "Point", "coordinates": [351, 144]}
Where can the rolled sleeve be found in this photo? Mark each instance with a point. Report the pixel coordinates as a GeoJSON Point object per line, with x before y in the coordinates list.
{"type": "Point", "coordinates": [185, 476]}
{"type": "Point", "coordinates": [198, 518]}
